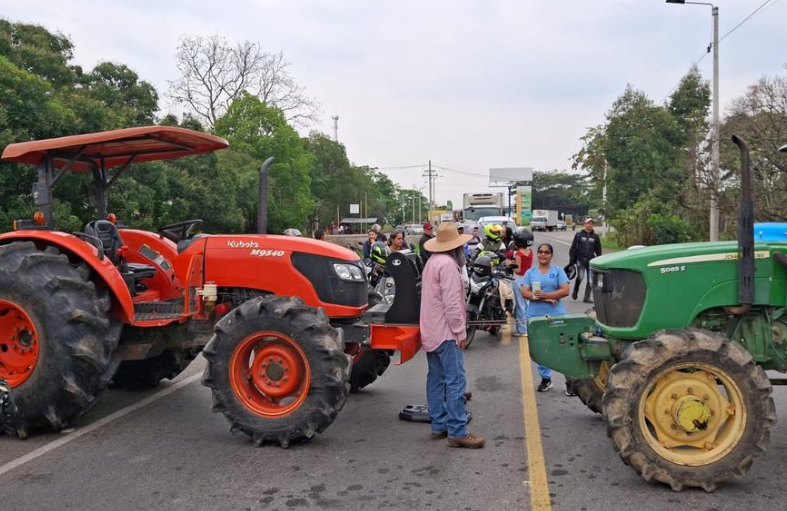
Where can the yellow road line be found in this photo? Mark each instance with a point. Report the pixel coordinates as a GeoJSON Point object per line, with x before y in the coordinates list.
{"type": "Point", "coordinates": [539, 489]}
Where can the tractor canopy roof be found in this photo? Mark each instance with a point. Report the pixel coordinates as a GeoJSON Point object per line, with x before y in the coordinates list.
{"type": "Point", "coordinates": [108, 149]}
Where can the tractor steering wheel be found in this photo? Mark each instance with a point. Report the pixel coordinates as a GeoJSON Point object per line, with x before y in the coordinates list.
{"type": "Point", "coordinates": [179, 230]}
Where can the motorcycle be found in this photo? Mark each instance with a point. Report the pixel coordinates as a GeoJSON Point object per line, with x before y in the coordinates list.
{"type": "Point", "coordinates": [485, 310]}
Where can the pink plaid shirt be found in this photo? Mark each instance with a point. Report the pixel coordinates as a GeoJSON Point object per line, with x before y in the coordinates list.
{"type": "Point", "coordinates": [442, 302]}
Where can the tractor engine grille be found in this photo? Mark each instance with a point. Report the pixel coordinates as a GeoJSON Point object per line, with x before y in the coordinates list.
{"type": "Point", "coordinates": [329, 287]}
{"type": "Point", "coordinates": [618, 296]}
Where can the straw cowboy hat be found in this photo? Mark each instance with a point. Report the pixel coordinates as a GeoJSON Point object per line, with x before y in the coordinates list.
{"type": "Point", "coordinates": [448, 238]}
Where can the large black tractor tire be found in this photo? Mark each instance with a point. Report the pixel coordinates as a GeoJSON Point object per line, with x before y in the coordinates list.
{"type": "Point", "coordinates": [295, 345]}
{"type": "Point", "coordinates": [368, 365]}
{"type": "Point", "coordinates": [74, 335]}
{"type": "Point", "coordinates": [147, 374]}
{"type": "Point", "coordinates": [7, 409]}
{"type": "Point", "coordinates": [591, 390]}
{"type": "Point", "coordinates": [665, 393]}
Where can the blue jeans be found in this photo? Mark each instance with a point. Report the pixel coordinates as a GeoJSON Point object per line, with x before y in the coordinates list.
{"type": "Point", "coordinates": [544, 372]}
{"type": "Point", "coordinates": [520, 313]}
{"type": "Point", "coordinates": [445, 389]}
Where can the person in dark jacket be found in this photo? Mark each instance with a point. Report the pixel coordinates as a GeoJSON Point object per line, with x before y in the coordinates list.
{"type": "Point", "coordinates": [586, 246]}
{"type": "Point", "coordinates": [428, 234]}
{"type": "Point", "coordinates": [367, 245]}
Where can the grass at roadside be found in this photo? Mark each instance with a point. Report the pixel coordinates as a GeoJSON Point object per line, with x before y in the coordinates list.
{"type": "Point", "coordinates": [609, 243]}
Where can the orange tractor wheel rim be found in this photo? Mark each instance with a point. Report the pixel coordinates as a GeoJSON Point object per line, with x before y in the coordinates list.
{"type": "Point", "coordinates": [269, 372]}
{"type": "Point", "coordinates": [19, 344]}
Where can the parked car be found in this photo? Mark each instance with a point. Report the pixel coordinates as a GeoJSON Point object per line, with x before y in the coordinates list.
{"type": "Point", "coordinates": [414, 229]}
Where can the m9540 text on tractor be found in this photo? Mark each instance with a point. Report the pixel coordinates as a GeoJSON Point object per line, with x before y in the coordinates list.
{"type": "Point", "coordinates": [677, 353]}
{"type": "Point", "coordinates": [284, 322]}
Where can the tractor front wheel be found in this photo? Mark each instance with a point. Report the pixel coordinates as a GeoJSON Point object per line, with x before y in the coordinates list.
{"type": "Point", "coordinates": [368, 365]}
{"type": "Point", "coordinates": [277, 369]}
{"type": "Point", "coordinates": [57, 341]}
{"type": "Point", "coordinates": [688, 408]}
{"type": "Point", "coordinates": [591, 391]}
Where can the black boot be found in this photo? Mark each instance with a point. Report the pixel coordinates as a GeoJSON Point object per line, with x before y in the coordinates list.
{"type": "Point", "coordinates": [587, 295]}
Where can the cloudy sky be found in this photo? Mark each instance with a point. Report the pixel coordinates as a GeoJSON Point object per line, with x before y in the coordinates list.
{"type": "Point", "coordinates": [469, 84]}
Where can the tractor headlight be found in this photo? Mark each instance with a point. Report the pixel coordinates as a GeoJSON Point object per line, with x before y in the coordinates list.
{"type": "Point", "coordinates": [348, 272]}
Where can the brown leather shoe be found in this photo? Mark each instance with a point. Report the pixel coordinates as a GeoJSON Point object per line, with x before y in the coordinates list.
{"type": "Point", "coordinates": [440, 435]}
{"type": "Point", "coordinates": [470, 441]}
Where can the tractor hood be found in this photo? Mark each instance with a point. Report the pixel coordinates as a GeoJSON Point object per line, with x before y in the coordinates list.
{"type": "Point", "coordinates": [639, 291]}
{"type": "Point", "coordinates": [639, 259]}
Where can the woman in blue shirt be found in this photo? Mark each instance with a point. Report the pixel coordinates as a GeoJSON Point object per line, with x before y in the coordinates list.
{"type": "Point", "coordinates": [552, 285]}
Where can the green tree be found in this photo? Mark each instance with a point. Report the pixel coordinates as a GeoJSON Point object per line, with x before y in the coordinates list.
{"type": "Point", "coordinates": [261, 131]}
{"type": "Point", "coordinates": [568, 192]}
{"type": "Point", "coordinates": [760, 117]}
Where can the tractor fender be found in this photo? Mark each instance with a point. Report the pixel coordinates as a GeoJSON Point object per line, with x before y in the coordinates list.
{"type": "Point", "coordinates": [76, 247]}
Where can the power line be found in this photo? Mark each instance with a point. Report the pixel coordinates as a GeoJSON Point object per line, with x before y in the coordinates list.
{"type": "Point", "coordinates": [747, 18]}
{"type": "Point", "coordinates": [459, 171]}
{"type": "Point", "coordinates": [710, 46]}
{"type": "Point", "coordinates": [401, 166]}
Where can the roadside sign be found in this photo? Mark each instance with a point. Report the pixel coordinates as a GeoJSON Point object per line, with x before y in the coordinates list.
{"type": "Point", "coordinates": [524, 203]}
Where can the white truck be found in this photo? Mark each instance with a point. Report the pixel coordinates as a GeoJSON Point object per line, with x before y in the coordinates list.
{"type": "Point", "coordinates": [477, 205]}
{"type": "Point", "coordinates": [544, 220]}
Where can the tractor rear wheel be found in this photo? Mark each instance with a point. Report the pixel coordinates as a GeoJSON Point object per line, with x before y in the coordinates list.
{"type": "Point", "coordinates": [57, 341]}
{"type": "Point", "coordinates": [147, 374]}
{"type": "Point", "coordinates": [368, 365]}
{"type": "Point", "coordinates": [277, 369]}
{"type": "Point", "coordinates": [688, 408]}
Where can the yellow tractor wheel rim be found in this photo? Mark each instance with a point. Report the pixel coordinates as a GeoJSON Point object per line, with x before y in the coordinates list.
{"type": "Point", "coordinates": [601, 379]}
{"type": "Point", "coordinates": [692, 414]}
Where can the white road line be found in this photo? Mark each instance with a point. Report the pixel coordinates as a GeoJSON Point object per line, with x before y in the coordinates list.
{"type": "Point", "coordinates": [51, 446]}
{"type": "Point", "coordinates": [555, 239]}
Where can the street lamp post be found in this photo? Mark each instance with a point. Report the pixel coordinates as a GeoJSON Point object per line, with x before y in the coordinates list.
{"type": "Point", "coordinates": [714, 204]}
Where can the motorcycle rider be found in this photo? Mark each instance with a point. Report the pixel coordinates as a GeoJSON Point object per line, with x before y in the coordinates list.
{"type": "Point", "coordinates": [378, 255]}
{"type": "Point", "coordinates": [494, 239]}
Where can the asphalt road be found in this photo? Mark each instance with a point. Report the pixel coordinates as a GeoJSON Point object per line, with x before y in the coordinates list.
{"type": "Point", "coordinates": [165, 450]}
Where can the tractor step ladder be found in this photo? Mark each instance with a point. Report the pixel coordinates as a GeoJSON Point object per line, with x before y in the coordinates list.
{"type": "Point", "coordinates": [146, 311]}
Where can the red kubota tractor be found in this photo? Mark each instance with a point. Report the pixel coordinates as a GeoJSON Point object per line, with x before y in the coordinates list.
{"type": "Point", "coordinates": [282, 321]}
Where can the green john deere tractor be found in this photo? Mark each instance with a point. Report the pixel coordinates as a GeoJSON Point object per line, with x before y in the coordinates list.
{"type": "Point", "coordinates": [676, 355]}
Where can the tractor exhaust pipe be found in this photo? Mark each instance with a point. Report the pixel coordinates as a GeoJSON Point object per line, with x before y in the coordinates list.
{"type": "Point", "coordinates": [262, 199]}
{"type": "Point", "coordinates": [745, 234]}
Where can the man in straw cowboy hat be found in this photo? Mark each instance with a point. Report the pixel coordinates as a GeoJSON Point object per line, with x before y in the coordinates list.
{"type": "Point", "coordinates": [443, 336]}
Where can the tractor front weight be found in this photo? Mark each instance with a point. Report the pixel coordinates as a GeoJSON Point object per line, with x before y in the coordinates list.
{"type": "Point", "coordinates": [569, 345]}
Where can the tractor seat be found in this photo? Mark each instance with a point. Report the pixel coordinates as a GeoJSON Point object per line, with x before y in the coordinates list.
{"type": "Point", "coordinates": [184, 244]}
{"type": "Point", "coordinates": [108, 233]}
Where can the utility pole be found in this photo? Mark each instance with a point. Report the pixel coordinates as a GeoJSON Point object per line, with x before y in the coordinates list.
{"type": "Point", "coordinates": [714, 170]}
{"type": "Point", "coordinates": [714, 204]}
{"type": "Point", "coordinates": [335, 128]}
{"type": "Point", "coordinates": [430, 175]}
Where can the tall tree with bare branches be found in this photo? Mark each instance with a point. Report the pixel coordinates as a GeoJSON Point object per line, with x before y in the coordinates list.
{"type": "Point", "coordinates": [213, 73]}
